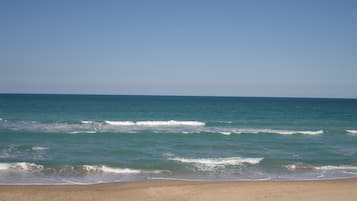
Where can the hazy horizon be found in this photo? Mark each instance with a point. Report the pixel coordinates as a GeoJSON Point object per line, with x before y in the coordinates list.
{"type": "Point", "coordinates": [171, 95]}
{"type": "Point", "coordinates": [189, 48]}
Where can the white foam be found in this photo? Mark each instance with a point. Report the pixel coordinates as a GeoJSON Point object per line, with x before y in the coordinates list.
{"type": "Point", "coordinates": [274, 131]}
{"type": "Point", "coordinates": [155, 123]}
{"type": "Point", "coordinates": [21, 166]}
{"type": "Point", "coordinates": [299, 167]}
{"type": "Point", "coordinates": [120, 123]}
{"type": "Point", "coordinates": [172, 126]}
{"type": "Point", "coordinates": [225, 133]}
{"type": "Point", "coordinates": [355, 173]}
{"type": "Point", "coordinates": [170, 123]}
{"type": "Point", "coordinates": [352, 131]}
{"type": "Point", "coordinates": [218, 161]}
{"type": "Point", "coordinates": [38, 148]}
{"type": "Point", "coordinates": [4, 166]}
{"type": "Point", "coordinates": [87, 122]}
{"type": "Point", "coordinates": [106, 169]}
{"type": "Point", "coordinates": [319, 132]}
{"type": "Point", "coordinates": [103, 168]}
{"type": "Point", "coordinates": [326, 167]}
{"type": "Point", "coordinates": [332, 167]}
{"type": "Point", "coordinates": [76, 132]}
{"type": "Point", "coordinates": [120, 170]}
{"type": "Point", "coordinates": [291, 167]}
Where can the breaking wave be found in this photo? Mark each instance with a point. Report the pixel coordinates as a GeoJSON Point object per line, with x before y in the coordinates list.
{"type": "Point", "coordinates": [21, 166]}
{"type": "Point", "coordinates": [77, 132]}
{"type": "Point", "coordinates": [352, 132]}
{"type": "Point", "coordinates": [230, 131]}
{"type": "Point", "coordinates": [219, 161]}
{"type": "Point", "coordinates": [87, 122]}
{"type": "Point", "coordinates": [208, 164]}
{"type": "Point", "coordinates": [326, 167]}
{"type": "Point", "coordinates": [38, 148]}
{"type": "Point", "coordinates": [87, 126]}
{"type": "Point", "coordinates": [106, 169]}
{"type": "Point", "coordinates": [172, 126]}
{"type": "Point", "coordinates": [332, 167]}
{"type": "Point", "coordinates": [281, 132]}
{"type": "Point", "coordinates": [74, 170]}
{"type": "Point", "coordinates": [156, 123]}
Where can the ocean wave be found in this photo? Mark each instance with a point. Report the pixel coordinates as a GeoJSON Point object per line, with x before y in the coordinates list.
{"type": "Point", "coordinates": [225, 132]}
{"type": "Point", "coordinates": [156, 123]}
{"type": "Point", "coordinates": [105, 126]}
{"type": "Point", "coordinates": [326, 167]}
{"type": "Point", "coordinates": [209, 164]}
{"type": "Point", "coordinates": [218, 161]}
{"type": "Point", "coordinates": [103, 168]}
{"type": "Point", "coordinates": [332, 167]}
{"type": "Point", "coordinates": [120, 123]}
{"type": "Point", "coordinates": [275, 131]}
{"type": "Point", "coordinates": [24, 166]}
{"type": "Point", "coordinates": [38, 148]}
{"type": "Point", "coordinates": [352, 132]}
{"type": "Point", "coordinates": [87, 122]}
{"type": "Point", "coordinates": [77, 132]}
{"type": "Point", "coordinates": [299, 167]}
{"type": "Point", "coordinates": [172, 126]}
{"type": "Point", "coordinates": [74, 170]}
{"type": "Point", "coordinates": [230, 131]}
{"type": "Point", "coordinates": [225, 122]}
{"type": "Point", "coordinates": [107, 169]}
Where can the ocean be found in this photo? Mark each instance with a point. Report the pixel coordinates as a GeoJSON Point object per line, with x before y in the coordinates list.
{"type": "Point", "coordinates": [85, 139]}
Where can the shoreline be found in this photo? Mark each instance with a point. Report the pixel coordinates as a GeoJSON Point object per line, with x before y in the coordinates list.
{"type": "Point", "coordinates": [163, 179]}
{"type": "Point", "coordinates": [336, 189]}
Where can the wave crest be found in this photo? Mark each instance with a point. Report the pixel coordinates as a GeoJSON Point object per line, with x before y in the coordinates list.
{"type": "Point", "coordinates": [120, 123]}
{"type": "Point", "coordinates": [172, 126]}
{"type": "Point", "coordinates": [325, 167]}
{"type": "Point", "coordinates": [38, 148]}
{"type": "Point", "coordinates": [155, 123]}
{"type": "Point", "coordinates": [87, 122]}
{"type": "Point", "coordinates": [281, 132]}
{"type": "Point", "coordinates": [332, 167]}
{"type": "Point", "coordinates": [352, 132]}
{"type": "Point", "coordinates": [21, 166]}
{"type": "Point", "coordinates": [208, 164]}
{"type": "Point", "coordinates": [74, 170]}
{"type": "Point", "coordinates": [107, 169]}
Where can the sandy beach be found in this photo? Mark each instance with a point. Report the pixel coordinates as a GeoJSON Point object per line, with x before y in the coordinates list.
{"type": "Point", "coordinates": [332, 190]}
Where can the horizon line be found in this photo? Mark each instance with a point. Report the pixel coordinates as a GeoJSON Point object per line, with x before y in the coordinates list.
{"type": "Point", "coordinates": [172, 95]}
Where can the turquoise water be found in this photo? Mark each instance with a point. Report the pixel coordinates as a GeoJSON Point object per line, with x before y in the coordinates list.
{"type": "Point", "coordinates": [101, 138]}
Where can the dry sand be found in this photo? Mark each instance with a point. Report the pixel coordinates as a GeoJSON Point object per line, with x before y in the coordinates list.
{"type": "Point", "coordinates": [334, 190]}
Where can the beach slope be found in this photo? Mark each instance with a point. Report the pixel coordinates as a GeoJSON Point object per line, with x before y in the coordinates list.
{"type": "Point", "coordinates": [338, 190]}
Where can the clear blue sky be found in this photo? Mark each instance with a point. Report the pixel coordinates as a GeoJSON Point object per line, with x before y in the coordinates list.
{"type": "Point", "coordinates": [235, 48]}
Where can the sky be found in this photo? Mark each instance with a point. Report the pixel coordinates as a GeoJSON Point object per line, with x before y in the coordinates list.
{"type": "Point", "coordinates": [178, 47]}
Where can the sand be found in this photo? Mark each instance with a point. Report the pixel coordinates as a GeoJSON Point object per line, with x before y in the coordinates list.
{"type": "Point", "coordinates": [333, 190]}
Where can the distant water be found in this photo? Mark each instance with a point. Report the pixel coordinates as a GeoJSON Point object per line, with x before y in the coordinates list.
{"type": "Point", "coordinates": [92, 138]}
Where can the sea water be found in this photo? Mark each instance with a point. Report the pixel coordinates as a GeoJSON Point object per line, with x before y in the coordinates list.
{"type": "Point", "coordinates": [82, 139]}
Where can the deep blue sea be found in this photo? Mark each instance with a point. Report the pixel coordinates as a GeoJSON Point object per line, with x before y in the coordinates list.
{"type": "Point", "coordinates": [81, 139]}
